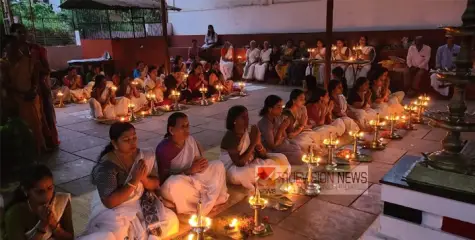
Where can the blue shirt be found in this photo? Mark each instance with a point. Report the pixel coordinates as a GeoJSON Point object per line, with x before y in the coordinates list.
{"type": "Point", "coordinates": [136, 73]}
{"type": "Point", "coordinates": [445, 55]}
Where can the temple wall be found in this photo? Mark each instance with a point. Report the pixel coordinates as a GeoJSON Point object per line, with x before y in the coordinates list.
{"type": "Point", "coordinates": [291, 16]}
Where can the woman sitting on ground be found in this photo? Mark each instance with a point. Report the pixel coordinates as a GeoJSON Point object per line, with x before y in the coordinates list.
{"type": "Point", "coordinates": [360, 103]}
{"type": "Point", "coordinates": [179, 65]}
{"type": "Point", "coordinates": [196, 80]}
{"type": "Point", "coordinates": [382, 75]}
{"type": "Point", "coordinates": [155, 83]}
{"type": "Point", "coordinates": [136, 97]}
{"type": "Point", "coordinates": [215, 77]}
{"type": "Point", "coordinates": [187, 176]}
{"type": "Point", "coordinates": [37, 211]}
{"type": "Point", "coordinates": [340, 106]}
{"type": "Point", "coordinates": [126, 204]}
{"type": "Point", "coordinates": [300, 131]}
{"type": "Point", "coordinates": [103, 102]}
{"type": "Point", "coordinates": [226, 63]}
{"type": "Point", "coordinates": [264, 58]}
{"type": "Point", "coordinates": [320, 114]}
{"type": "Point", "coordinates": [273, 130]}
{"type": "Point", "coordinates": [381, 101]}
{"type": "Point", "coordinates": [242, 152]}
{"type": "Point", "coordinates": [141, 79]}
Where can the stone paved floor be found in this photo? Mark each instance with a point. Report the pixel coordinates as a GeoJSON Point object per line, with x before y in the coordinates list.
{"type": "Point", "coordinates": [323, 217]}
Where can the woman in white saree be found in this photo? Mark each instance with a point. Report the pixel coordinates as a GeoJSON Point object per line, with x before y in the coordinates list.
{"type": "Point", "coordinates": [186, 175]}
{"type": "Point", "coordinates": [299, 130]}
{"type": "Point", "coordinates": [360, 103]}
{"type": "Point", "coordinates": [136, 97]}
{"type": "Point", "coordinates": [382, 97]}
{"type": "Point", "coordinates": [125, 205]}
{"type": "Point", "coordinates": [242, 152]}
{"type": "Point", "coordinates": [260, 69]}
{"type": "Point", "coordinates": [226, 62]}
{"type": "Point", "coordinates": [252, 58]}
{"type": "Point", "coordinates": [364, 52]}
{"type": "Point", "coordinates": [103, 102]}
{"type": "Point", "coordinates": [320, 114]}
{"type": "Point", "coordinates": [37, 211]}
{"type": "Point", "coordinates": [340, 106]}
{"type": "Point", "coordinates": [155, 84]}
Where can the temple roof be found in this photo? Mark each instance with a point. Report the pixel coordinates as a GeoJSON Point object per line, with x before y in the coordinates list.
{"type": "Point", "coordinates": [113, 4]}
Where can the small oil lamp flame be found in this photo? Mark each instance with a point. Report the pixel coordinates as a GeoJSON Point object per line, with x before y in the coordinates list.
{"type": "Point", "coordinates": [114, 88]}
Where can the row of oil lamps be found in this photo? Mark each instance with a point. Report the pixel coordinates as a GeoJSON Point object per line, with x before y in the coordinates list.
{"type": "Point", "coordinates": [312, 189]}
{"type": "Point", "coordinates": [175, 95]}
{"type": "Point", "coordinates": [200, 224]}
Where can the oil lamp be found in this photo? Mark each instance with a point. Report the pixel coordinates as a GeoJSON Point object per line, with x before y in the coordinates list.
{"type": "Point", "coordinates": [122, 119]}
{"type": "Point", "coordinates": [420, 106]}
{"type": "Point", "coordinates": [409, 109]}
{"type": "Point", "coordinates": [176, 97]}
{"type": "Point", "coordinates": [114, 88]}
{"type": "Point", "coordinates": [356, 155]}
{"type": "Point", "coordinates": [241, 88]}
{"type": "Point", "coordinates": [376, 125]}
{"type": "Point", "coordinates": [257, 203]}
{"type": "Point", "coordinates": [151, 97]}
{"type": "Point", "coordinates": [220, 88]}
{"type": "Point", "coordinates": [392, 118]}
{"type": "Point", "coordinates": [199, 223]}
{"type": "Point", "coordinates": [331, 144]}
{"type": "Point", "coordinates": [203, 91]}
{"type": "Point", "coordinates": [312, 161]}
{"type": "Point", "coordinates": [132, 113]}
{"type": "Point", "coordinates": [60, 95]}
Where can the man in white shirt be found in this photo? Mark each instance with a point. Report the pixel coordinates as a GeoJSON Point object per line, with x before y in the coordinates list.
{"type": "Point", "coordinates": [417, 61]}
{"type": "Point", "coordinates": [444, 60]}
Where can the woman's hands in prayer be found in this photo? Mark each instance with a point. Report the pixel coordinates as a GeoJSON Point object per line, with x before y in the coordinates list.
{"type": "Point", "coordinates": [47, 218]}
{"type": "Point", "coordinates": [199, 165]}
{"type": "Point", "coordinates": [139, 173]}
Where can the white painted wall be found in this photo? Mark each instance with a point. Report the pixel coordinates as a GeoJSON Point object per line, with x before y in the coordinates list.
{"type": "Point", "coordinates": [271, 16]}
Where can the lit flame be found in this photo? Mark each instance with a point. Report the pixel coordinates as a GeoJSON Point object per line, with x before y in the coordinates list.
{"type": "Point", "coordinates": [59, 94]}
{"type": "Point", "coordinates": [122, 119]}
{"type": "Point", "coordinates": [234, 223]}
{"type": "Point", "coordinates": [205, 221]}
{"type": "Point", "coordinates": [114, 88]}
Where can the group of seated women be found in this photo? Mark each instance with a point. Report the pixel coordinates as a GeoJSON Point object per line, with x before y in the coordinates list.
{"type": "Point", "coordinates": [290, 63]}
{"type": "Point", "coordinates": [111, 99]}
{"type": "Point", "coordinates": [136, 189]}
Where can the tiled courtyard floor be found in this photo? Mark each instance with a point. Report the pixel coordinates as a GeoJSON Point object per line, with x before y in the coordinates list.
{"type": "Point", "coordinates": [323, 217]}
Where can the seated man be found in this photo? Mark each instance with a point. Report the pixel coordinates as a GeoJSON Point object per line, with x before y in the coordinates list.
{"type": "Point", "coordinates": [417, 61]}
{"type": "Point", "coordinates": [186, 176]}
{"type": "Point", "coordinates": [443, 60]}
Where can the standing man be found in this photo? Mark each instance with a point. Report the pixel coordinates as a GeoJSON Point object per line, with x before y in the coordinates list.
{"type": "Point", "coordinates": [444, 60]}
{"type": "Point", "coordinates": [417, 61]}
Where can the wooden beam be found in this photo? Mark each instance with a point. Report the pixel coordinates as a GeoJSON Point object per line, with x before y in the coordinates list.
{"type": "Point", "coordinates": [164, 18]}
{"type": "Point", "coordinates": [329, 40]}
